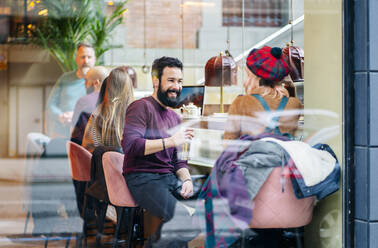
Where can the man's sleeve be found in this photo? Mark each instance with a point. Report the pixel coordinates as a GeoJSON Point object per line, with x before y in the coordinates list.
{"type": "Point", "coordinates": [54, 100]}
{"type": "Point", "coordinates": [136, 119]}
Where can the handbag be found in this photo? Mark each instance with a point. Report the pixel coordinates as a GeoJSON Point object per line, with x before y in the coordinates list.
{"type": "Point", "coordinates": [295, 57]}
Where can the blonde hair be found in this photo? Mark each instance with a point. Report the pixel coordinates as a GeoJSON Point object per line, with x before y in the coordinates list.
{"type": "Point", "coordinates": [277, 91]}
{"type": "Point", "coordinates": [118, 96]}
{"type": "Point", "coordinates": [253, 81]}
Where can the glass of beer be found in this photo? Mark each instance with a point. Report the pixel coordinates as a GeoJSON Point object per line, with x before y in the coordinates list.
{"type": "Point", "coordinates": [185, 149]}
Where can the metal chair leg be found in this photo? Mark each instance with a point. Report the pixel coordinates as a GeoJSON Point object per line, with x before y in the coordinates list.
{"type": "Point", "coordinates": [27, 221]}
{"type": "Point", "coordinates": [78, 240]}
{"type": "Point", "coordinates": [68, 241]}
{"type": "Point", "coordinates": [299, 237]}
{"type": "Point", "coordinates": [120, 214]}
{"type": "Point", "coordinates": [84, 233]}
{"type": "Point", "coordinates": [100, 222]}
{"type": "Point", "coordinates": [46, 240]}
{"type": "Point", "coordinates": [130, 226]}
{"type": "Point", "coordinates": [140, 229]}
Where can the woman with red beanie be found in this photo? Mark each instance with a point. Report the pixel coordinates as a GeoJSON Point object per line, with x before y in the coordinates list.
{"type": "Point", "coordinates": [265, 92]}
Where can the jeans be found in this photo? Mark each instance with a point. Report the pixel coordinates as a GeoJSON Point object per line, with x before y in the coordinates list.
{"type": "Point", "coordinates": [156, 193]}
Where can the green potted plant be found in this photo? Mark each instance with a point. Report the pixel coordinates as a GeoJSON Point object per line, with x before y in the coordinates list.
{"type": "Point", "coordinates": [69, 22]}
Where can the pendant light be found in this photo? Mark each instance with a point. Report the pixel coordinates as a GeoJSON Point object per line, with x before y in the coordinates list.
{"type": "Point", "coordinates": [295, 54]}
{"type": "Point", "coordinates": [145, 67]}
{"type": "Point", "coordinates": [182, 31]}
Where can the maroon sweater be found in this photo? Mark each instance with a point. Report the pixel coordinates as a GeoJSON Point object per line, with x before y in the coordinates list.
{"type": "Point", "coordinates": [147, 119]}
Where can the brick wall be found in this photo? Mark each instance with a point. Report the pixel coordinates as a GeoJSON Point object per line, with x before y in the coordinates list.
{"type": "Point", "coordinates": [163, 24]}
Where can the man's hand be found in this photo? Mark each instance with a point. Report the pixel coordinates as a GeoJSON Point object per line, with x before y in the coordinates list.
{"type": "Point", "coordinates": [66, 117]}
{"type": "Point", "coordinates": [187, 189]}
{"type": "Point", "coordinates": [182, 136]}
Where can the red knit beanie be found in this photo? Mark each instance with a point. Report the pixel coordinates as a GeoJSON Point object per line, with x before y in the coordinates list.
{"type": "Point", "coordinates": [268, 63]}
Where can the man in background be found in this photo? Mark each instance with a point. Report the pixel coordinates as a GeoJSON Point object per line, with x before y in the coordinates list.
{"type": "Point", "coordinates": [59, 111]}
{"type": "Point", "coordinates": [86, 104]}
{"type": "Point", "coordinates": [66, 92]}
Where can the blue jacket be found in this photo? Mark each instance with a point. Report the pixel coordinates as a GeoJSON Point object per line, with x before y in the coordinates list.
{"type": "Point", "coordinates": [322, 189]}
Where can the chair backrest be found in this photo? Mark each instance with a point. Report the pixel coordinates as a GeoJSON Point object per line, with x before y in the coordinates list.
{"type": "Point", "coordinates": [118, 192]}
{"type": "Point", "coordinates": [80, 161]}
{"type": "Point", "coordinates": [273, 208]}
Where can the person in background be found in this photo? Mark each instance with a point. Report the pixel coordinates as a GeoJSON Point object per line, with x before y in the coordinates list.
{"type": "Point", "coordinates": [66, 92]}
{"type": "Point", "coordinates": [105, 126]}
{"type": "Point", "coordinates": [266, 68]}
{"type": "Point", "coordinates": [151, 165]}
{"type": "Point", "coordinates": [265, 89]}
{"type": "Point", "coordinates": [86, 104]}
{"type": "Point", "coordinates": [93, 81]}
{"type": "Point", "coordinates": [83, 109]}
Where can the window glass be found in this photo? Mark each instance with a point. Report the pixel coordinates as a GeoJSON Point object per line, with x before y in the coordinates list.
{"type": "Point", "coordinates": [45, 77]}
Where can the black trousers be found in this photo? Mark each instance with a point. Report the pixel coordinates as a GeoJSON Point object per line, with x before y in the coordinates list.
{"type": "Point", "coordinates": [157, 193]}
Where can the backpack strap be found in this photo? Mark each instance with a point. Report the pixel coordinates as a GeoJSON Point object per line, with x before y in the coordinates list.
{"type": "Point", "coordinates": [280, 107]}
{"type": "Point", "coordinates": [262, 101]}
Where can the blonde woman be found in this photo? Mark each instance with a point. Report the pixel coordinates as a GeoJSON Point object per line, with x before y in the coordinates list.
{"type": "Point", "coordinates": [266, 69]}
{"type": "Point", "coordinates": [105, 126]}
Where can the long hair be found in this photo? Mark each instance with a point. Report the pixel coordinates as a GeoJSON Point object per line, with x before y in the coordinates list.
{"type": "Point", "coordinates": [118, 96]}
{"type": "Point", "coordinates": [275, 88]}
{"type": "Point", "coordinates": [101, 94]}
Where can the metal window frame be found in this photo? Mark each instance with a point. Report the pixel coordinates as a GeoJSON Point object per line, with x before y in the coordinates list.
{"type": "Point", "coordinates": [348, 124]}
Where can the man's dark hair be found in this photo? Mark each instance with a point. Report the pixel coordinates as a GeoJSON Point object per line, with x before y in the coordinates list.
{"type": "Point", "coordinates": [160, 63]}
{"type": "Point", "coordinates": [84, 44]}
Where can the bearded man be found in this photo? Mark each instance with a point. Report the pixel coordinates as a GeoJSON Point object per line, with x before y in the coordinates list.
{"type": "Point", "coordinates": [67, 91]}
{"type": "Point", "coordinates": [151, 165]}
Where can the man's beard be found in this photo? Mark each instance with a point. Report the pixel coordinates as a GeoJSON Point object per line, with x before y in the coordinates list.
{"type": "Point", "coordinates": [85, 69]}
{"type": "Point", "coordinates": [165, 99]}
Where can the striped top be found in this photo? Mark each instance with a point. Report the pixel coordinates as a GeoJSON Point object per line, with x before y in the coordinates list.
{"type": "Point", "coordinates": [92, 135]}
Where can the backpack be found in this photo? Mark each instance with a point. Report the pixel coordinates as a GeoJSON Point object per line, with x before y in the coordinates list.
{"type": "Point", "coordinates": [280, 107]}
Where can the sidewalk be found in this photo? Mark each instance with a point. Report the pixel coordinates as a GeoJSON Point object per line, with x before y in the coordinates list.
{"type": "Point", "coordinates": [53, 187]}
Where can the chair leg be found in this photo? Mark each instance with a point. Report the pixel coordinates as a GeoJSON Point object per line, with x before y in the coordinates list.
{"type": "Point", "coordinates": [47, 240]}
{"type": "Point", "coordinates": [68, 240]}
{"type": "Point", "coordinates": [27, 221]}
{"type": "Point", "coordinates": [140, 230]}
{"type": "Point", "coordinates": [100, 222]}
{"type": "Point", "coordinates": [84, 233]}
{"type": "Point", "coordinates": [130, 226]}
{"type": "Point", "coordinates": [299, 237]}
{"type": "Point", "coordinates": [78, 240]}
{"type": "Point", "coordinates": [120, 214]}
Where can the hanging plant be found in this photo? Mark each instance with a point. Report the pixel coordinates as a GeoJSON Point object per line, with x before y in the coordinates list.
{"type": "Point", "coordinates": [70, 22]}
